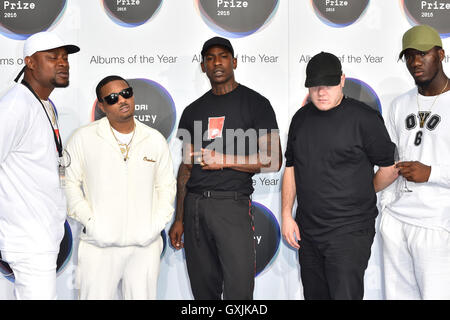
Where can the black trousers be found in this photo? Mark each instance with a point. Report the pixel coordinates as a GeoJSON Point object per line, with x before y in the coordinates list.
{"type": "Point", "coordinates": [334, 268]}
{"type": "Point", "coordinates": [219, 245]}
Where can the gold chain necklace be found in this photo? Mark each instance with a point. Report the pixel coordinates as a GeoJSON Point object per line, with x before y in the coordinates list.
{"type": "Point", "coordinates": [124, 147]}
{"type": "Point", "coordinates": [423, 115]}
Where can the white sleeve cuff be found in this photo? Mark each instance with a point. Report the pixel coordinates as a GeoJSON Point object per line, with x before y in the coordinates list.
{"type": "Point", "coordinates": [440, 175]}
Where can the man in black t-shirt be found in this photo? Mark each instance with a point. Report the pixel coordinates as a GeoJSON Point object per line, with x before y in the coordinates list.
{"type": "Point", "coordinates": [333, 144]}
{"type": "Point", "coordinates": [229, 134]}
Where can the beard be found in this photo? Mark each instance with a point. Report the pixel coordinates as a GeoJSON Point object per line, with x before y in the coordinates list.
{"type": "Point", "coordinates": [57, 84]}
{"type": "Point", "coordinates": [426, 82]}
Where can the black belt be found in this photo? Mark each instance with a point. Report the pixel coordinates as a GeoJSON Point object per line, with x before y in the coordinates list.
{"type": "Point", "coordinates": [222, 194]}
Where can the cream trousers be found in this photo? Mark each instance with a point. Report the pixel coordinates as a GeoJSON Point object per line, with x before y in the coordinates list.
{"type": "Point", "coordinates": [416, 261]}
{"type": "Point", "coordinates": [100, 271]}
{"type": "Point", "coordinates": [34, 273]}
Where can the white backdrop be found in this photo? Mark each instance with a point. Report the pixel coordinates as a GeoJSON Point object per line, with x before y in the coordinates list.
{"type": "Point", "coordinates": [291, 33]}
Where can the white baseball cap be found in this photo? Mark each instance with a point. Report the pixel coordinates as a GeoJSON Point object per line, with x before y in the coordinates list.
{"type": "Point", "coordinates": [43, 41]}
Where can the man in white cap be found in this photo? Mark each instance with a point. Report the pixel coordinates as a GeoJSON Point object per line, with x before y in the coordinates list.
{"type": "Point", "coordinates": [415, 224]}
{"type": "Point", "coordinates": [32, 203]}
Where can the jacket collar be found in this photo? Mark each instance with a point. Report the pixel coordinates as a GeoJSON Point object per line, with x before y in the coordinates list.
{"type": "Point", "coordinates": [104, 131]}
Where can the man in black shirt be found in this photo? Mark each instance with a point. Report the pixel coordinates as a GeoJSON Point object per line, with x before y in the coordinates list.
{"type": "Point", "coordinates": [333, 144]}
{"type": "Point", "coordinates": [229, 134]}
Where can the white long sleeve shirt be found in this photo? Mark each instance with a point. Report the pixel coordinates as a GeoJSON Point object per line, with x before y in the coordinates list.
{"type": "Point", "coordinates": [32, 204]}
{"type": "Point", "coordinates": [120, 203]}
{"type": "Point", "coordinates": [428, 205]}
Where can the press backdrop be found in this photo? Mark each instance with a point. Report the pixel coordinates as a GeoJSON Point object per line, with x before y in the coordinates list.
{"type": "Point", "coordinates": [156, 45]}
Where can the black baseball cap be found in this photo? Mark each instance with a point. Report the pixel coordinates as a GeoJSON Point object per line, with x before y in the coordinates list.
{"type": "Point", "coordinates": [324, 69]}
{"type": "Point", "coordinates": [217, 41]}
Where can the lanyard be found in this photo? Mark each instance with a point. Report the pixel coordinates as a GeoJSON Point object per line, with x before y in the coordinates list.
{"type": "Point", "coordinates": [56, 136]}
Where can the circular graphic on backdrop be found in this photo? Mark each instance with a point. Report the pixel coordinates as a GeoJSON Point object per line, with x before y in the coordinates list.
{"type": "Point", "coordinates": [339, 13]}
{"type": "Point", "coordinates": [153, 106]}
{"type": "Point", "coordinates": [267, 236]}
{"type": "Point", "coordinates": [236, 18]}
{"type": "Point", "coordinates": [131, 13]}
{"type": "Point", "coordinates": [65, 252]}
{"type": "Point", "coordinates": [433, 13]}
{"type": "Point", "coordinates": [20, 19]}
{"type": "Point", "coordinates": [359, 90]}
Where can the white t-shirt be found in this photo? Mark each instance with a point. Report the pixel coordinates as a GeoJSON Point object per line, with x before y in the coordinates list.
{"type": "Point", "coordinates": [32, 203]}
{"type": "Point", "coordinates": [428, 205]}
{"type": "Point", "coordinates": [124, 139]}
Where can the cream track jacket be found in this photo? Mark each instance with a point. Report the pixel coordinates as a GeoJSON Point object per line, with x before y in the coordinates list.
{"type": "Point", "coordinates": [120, 203]}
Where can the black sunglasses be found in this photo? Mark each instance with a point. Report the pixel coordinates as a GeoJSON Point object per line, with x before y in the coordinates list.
{"type": "Point", "coordinates": [114, 97]}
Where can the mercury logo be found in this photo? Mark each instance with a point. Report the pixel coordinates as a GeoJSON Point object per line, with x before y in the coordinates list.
{"type": "Point", "coordinates": [153, 106]}
{"type": "Point", "coordinates": [20, 19]}
{"type": "Point", "coordinates": [236, 18]}
{"type": "Point", "coordinates": [64, 255]}
{"type": "Point", "coordinates": [432, 13]}
{"type": "Point", "coordinates": [358, 90]}
{"type": "Point", "coordinates": [131, 13]}
{"type": "Point", "coordinates": [267, 236]}
{"type": "Point", "coordinates": [339, 13]}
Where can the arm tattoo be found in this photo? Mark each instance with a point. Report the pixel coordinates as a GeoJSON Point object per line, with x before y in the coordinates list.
{"type": "Point", "coordinates": [184, 173]}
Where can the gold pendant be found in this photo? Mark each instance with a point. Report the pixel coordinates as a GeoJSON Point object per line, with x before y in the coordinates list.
{"type": "Point", "coordinates": [423, 116]}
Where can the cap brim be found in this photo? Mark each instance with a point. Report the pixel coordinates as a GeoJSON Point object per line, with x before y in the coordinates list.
{"type": "Point", "coordinates": [323, 81]}
{"type": "Point", "coordinates": [72, 48]}
{"type": "Point", "coordinates": [420, 47]}
{"type": "Point", "coordinates": [69, 47]}
{"type": "Point", "coordinates": [203, 52]}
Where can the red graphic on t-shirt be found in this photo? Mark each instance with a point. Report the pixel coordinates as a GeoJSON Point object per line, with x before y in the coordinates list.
{"type": "Point", "coordinates": [215, 127]}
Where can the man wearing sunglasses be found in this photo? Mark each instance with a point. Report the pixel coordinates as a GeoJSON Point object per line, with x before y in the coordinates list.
{"type": "Point", "coordinates": [215, 183]}
{"type": "Point", "coordinates": [121, 188]}
{"type": "Point", "coordinates": [32, 203]}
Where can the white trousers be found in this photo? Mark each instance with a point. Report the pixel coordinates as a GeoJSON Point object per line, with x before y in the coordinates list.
{"type": "Point", "coordinates": [100, 271]}
{"type": "Point", "coordinates": [416, 261]}
{"type": "Point", "coordinates": [34, 273]}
